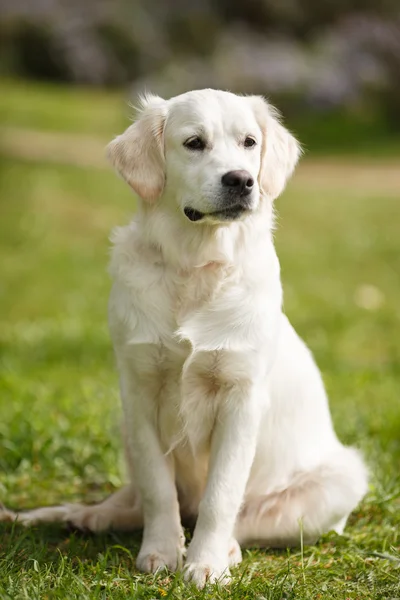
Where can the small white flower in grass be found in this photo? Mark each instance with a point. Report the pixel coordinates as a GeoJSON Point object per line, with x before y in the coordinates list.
{"type": "Point", "coordinates": [369, 297]}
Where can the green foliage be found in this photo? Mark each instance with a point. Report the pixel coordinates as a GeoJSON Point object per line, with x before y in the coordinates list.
{"type": "Point", "coordinates": [337, 239]}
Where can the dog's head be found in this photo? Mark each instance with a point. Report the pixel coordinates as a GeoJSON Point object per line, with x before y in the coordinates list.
{"type": "Point", "coordinates": [211, 153]}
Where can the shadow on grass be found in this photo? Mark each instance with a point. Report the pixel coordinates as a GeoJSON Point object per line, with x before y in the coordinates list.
{"type": "Point", "coordinates": [53, 543]}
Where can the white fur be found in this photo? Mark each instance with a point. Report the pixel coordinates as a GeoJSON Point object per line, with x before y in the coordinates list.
{"type": "Point", "coordinates": [225, 414]}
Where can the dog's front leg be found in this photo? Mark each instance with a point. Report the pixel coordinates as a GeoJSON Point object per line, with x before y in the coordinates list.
{"type": "Point", "coordinates": [232, 452]}
{"type": "Point", "coordinates": [152, 472]}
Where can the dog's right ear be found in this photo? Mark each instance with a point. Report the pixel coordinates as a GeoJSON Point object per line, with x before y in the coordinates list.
{"type": "Point", "coordinates": [138, 153]}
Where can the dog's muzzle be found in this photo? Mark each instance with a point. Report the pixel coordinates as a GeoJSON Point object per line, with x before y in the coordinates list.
{"type": "Point", "coordinates": [235, 198]}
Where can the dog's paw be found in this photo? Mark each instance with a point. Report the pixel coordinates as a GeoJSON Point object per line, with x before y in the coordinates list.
{"type": "Point", "coordinates": [160, 556]}
{"type": "Point", "coordinates": [88, 518]}
{"type": "Point", "coordinates": [156, 561]}
{"type": "Point", "coordinates": [202, 573]}
{"type": "Point", "coordinates": [235, 553]}
{"type": "Point", "coordinates": [161, 552]}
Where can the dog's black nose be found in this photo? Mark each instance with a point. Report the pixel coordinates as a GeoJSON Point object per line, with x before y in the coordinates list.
{"type": "Point", "coordinates": [239, 181]}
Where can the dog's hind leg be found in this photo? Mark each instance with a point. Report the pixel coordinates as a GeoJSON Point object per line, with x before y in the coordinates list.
{"type": "Point", "coordinates": [314, 503]}
{"type": "Point", "coordinates": [47, 514]}
{"type": "Point", "coordinates": [121, 511]}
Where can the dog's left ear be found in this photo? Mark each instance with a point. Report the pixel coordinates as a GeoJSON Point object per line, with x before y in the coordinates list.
{"type": "Point", "coordinates": [280, 149]}
{"type": "Point", "coordinates": [138, 153]}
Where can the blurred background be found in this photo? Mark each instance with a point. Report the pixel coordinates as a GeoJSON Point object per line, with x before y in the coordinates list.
{"type": "Point", "coordinates": [314, 59]}
{"type": "Point", "coordinates": [68, 72]}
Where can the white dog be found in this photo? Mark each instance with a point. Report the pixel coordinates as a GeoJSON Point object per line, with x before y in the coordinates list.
{"type": "Point", "coordinates": [225, 414]}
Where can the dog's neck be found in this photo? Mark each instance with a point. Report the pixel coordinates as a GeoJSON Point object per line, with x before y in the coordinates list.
{"type": "Point", "coordinates": [185, 245]}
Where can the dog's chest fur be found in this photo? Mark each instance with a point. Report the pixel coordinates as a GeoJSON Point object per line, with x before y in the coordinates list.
{"type": "Point", "coordinates": [156, 317]}
{"type": "Point", "coordinates": [185, 309]}
{"type": "Point", "coordinates": [188, 332]}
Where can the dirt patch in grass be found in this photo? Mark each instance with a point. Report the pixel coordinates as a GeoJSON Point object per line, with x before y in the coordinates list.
{"type": "Point", "coordinates": [89, 151]}
{"type": "Point", "coordinates": [62, 148]}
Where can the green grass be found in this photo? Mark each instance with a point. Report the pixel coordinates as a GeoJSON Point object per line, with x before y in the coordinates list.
{"type": "Point", "coordinates": [61, 108]}
{"type": "Point", "coordinates": [59, 406]}
{"type": "Point", "coordinates": [24, 104]}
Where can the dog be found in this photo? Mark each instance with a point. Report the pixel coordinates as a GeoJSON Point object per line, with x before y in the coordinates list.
{"type": "Point", "coordinates": [226, 420]}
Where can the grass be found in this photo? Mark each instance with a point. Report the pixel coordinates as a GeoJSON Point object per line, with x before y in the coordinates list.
{"type": "Point", "coordinates": [27, 105]}
{"type": "Point", "coordinates": [61, 108]}
{"type": "Point", "coordinates": [59, 407]}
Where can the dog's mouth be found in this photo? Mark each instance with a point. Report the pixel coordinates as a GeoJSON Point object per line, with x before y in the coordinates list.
{"type": "Point", "coordinates": [230, 213]}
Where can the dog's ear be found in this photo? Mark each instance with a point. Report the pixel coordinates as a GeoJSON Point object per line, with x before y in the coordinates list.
{"type": "Point", "coordinates": [138, 153]}
{"type": "Point", "coordinates": [280, 150]}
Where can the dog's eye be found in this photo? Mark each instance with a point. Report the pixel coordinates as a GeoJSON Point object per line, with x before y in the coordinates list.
{"type": "Point", "coordinates": [195, 143]}
{"type": "Point", "coordinates": [249, 142]}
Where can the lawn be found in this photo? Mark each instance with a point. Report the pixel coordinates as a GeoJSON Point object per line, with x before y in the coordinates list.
{"type": "Point", "coordinates": [338, 241]}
